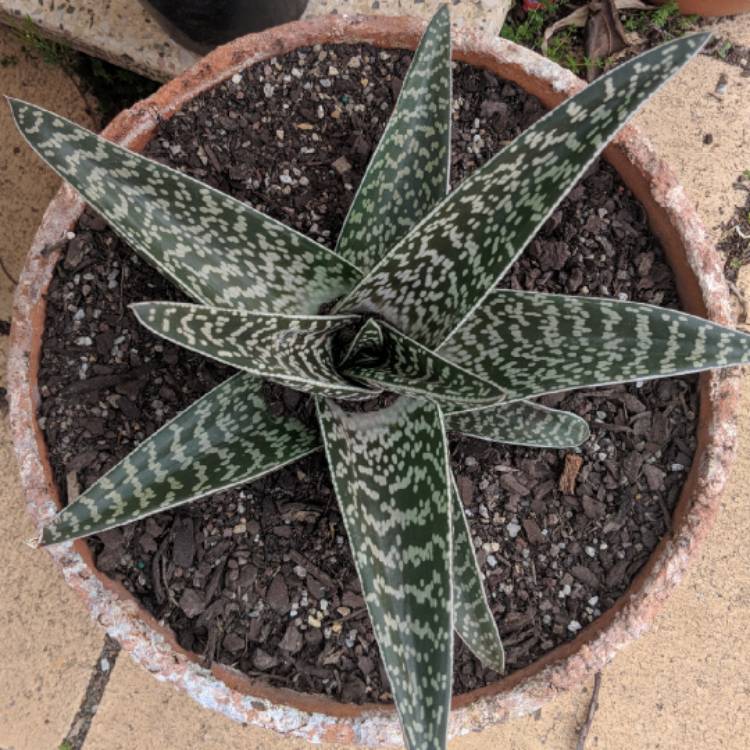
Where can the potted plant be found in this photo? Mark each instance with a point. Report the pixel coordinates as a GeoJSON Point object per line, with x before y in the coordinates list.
{"type": "Point", "coordinates": [201, 25]}
{"type": "Point", "coordinates": [377, 341]}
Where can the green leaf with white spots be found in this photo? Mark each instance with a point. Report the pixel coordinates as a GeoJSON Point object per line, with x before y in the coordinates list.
{"type": "Point", "coordinates": [442, 270]}
{"type": "Point", "coordinates": [474, 621]}
{"type": "Point", "coordinates": [224, 439]}
{"type": "Point", "coordinates": [366, 345]}
{"type": "Point", "coordinates": [521, 423]}
{"type": "Point", "coordinates": [391, 475]}
{"type": "Point", "coordinates": [408, 172]}
{"type": "Point", "coordinates": [532, 343]}
{"type": "Point", "coordinates": [411, 369]}
{"type": "Point", "coordinates": [218, 250]}
{"type": "Point", "coordinates": [295, 350]}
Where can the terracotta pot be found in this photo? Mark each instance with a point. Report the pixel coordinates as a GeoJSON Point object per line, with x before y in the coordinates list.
{"type": "Point", "coordinates": [702, 289]}
{"type": "Point", "coordinates": [711, 7]}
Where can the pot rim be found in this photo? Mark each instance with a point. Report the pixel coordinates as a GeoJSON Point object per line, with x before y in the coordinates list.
{"type": "Point", "coordinates": [702, 289]}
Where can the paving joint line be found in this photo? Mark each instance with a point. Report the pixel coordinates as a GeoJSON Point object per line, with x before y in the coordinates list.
{"type": "Point", "coordinates": [102, 671]}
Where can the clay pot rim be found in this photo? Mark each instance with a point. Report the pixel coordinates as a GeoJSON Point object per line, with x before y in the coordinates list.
{"type": "Point", "coordinates": [700, 283]}
{"type": "Point", "coordinates": [712, 8]}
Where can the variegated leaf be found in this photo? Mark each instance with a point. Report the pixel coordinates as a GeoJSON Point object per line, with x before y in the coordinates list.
{"type": "Point", "coordinates": [474, 621]}
{"type": "Point", "coordinates": [521, 423]}
{"type": "Point", "coordinates": [411, 369]}
{"type": "Point", "coordinates": [367, 345]}
{"type": "Point", "coordinates": [408, 172]}
{"type": "Point", "coordinates": [442, 270]}
{"type": "Point", "coordinates": [226, 438]}
{"type": "Point", "coordinates": [294, 350]}
{"type": "Point", "coordinates": [217, 249]}
{"type": "Point", "coordinates": [391, 476]}
{"type": "Point", "coordinates": [532, 343]}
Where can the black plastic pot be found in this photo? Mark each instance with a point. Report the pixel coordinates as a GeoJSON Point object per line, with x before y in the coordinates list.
{"type": "Point", "coordinates": [201, 25]}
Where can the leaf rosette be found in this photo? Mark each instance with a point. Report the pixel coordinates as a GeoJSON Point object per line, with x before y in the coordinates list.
{"type": "Point", "coordinates": [415, 325]}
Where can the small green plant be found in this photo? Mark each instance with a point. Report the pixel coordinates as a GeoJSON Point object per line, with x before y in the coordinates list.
{"type": "Point", "coordinates": [50, 51]}
{"type": "Point", "coordinates": [666, 19]}
{"type": "Point", "coordinates": [414, 312]}
{"type": "Point", "coordinates": [561, 50]}
{"type": "Point", "coordinates": [562, 47]}
{"type": "Point", "coordinates": [724, 49]}
{"type": "Point", "coordinates": [661, 16]}
{"type": "Point", "coordinates": [529, 31]}
{"type": "Point", "coordinates": [109, 87]}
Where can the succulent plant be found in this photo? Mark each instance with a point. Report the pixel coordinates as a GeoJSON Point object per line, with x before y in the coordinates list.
{"type": "Point", "coordinates": [416, 341]}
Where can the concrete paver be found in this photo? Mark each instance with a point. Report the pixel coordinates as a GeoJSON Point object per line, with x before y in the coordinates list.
{"type": "Point", "coordinates": [139, 713]}
{"type": "Point", "coordinates": [48, 645]}
{"type": "Point", "coordinates": [486, 16]}
{"type": "Point", "coordinates": [705, 137]}
{"type": "Point", "coordinates": [124, 33]}
{"type": "Point", "coordinates": [121, 31]}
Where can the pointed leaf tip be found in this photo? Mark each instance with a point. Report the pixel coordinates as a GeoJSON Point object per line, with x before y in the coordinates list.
{"type": "Point", "coordinates": [409, 169]}
{"type": "Point", "coordinates": [187, 229]}
{"type": "Point", "coordinates": [522, 423]}
{"type": "Point", "coordinates": [532, 343]}
{"type": "Point", "coordinates": [474, 620]}
{"type": "Point", "coordinates": [224, 439]}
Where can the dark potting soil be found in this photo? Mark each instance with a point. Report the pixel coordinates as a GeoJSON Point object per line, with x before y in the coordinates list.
{"type": "Point", "coordinates": [262, 577]}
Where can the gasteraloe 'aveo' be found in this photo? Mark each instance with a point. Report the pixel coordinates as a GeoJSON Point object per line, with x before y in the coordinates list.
{"type": "Point", "coordinates": [416, 313]}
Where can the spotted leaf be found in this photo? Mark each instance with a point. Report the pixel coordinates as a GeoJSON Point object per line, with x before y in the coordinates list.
{"type": "Point", "coordinates": [521, 423]}
{"type": "Point", "coordinates": [408, 172]}
{"type": "Point", "coordinates": [474, 621]}
{"type": "Point", "coordinates": [224, 439]}
{"type": "Point", "coordinates": [442, 270]}
{"type": "Point", "coordinates": [409, 368]}
{"type": "Point", "coordinates": [532, 343]}
{"type": "Point", "coordinates": [391, 476]}
{"type": "Point", "coordinates": [295, 350]}
{"type": "Point", "coordinates": [366, 345]}
{"type": "Point", "coordinates": [218, 250]}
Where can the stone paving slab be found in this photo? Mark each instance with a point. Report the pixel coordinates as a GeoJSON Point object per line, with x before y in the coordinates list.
{"type": "Point", "coordinates": [123, 32]}
{"type": "Point", "coordinates": [138, 712]}
{"type": "Point", "coordinates": [486, 16]}
{"type": "Point", "coordinates": [709, 145]}
{"type": "Point", "coordinates": [120, 31]}
{"type": "Point", "coordinates": [48, 645]}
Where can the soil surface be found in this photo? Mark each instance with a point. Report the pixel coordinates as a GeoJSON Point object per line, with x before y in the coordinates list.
{"type": "Point", "coordinates": [262, 577]}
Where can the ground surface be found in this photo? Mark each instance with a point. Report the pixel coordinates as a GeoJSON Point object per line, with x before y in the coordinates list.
{"type": "Point", "coordinates": [122, 32]}
{"type": "Point", "coordinates": [684, 684]}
